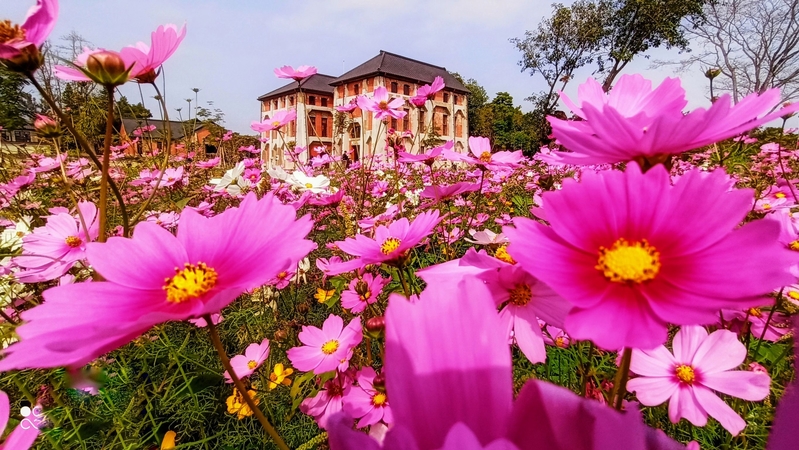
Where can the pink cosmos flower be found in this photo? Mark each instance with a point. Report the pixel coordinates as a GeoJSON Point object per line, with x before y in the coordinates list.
{"type": "Point", "coordinates": [82, 62]}
{"type": "Point", "coordinates": [38, 25]}
{"type": "Point", "coordinates": [216, 318]}
{"type": "Point", "coordinates": [783, 432]}
{"type": "Point", "coordinates": [633, 253]}
{"type": "Point", "coordinates": [363, 292]}
{"type": "Point", "coordinates": [439, 193]}
{"type": "Point", "coordinates": [329, 401]}
{"type": "Point", "coordinates": [326, 349]}
{"type": "Point", "coordinates": [47, 163]}
{"type": "Point", "coordinates": [381, 105]}
{"type": "Point", "coordinates": [367, 403]}
{"type": "Point", "coordinates": [701, 364]}
{"type": "Point", "coordinates": [428, 91]}
{"type": "Point", "coordinates": [349, 107]}
{"type": "Point", "coordinates": [208, 164]}
{"type": "Point", "coordinates": [164, 41]}
{"type": "Point", "coordinates": [171, 176]}
{"type": "Point", "coordinates": [24, 435]}
{"type": "Point", "coordinates": [167, 220]}
{"type": "Point", "coordinates": [390, 245]}
{"type": "Point", "coordinates": [278, 120]}
{"type": "Point", "coordinates": [155, 277]}
{"type": "Point", "coordinates": [296, 74]}
{"type": "Point", "coordinates": [456, 362]}
{"type": "Point", "coordinates": [50, 251]}
{"type": "Point", "coordinates": [323, 199]}
{"type": "Point", "coordinates": [244, 365]}
{"type": "Point", "coordinates": [634, 122]}
{"type": "Point", "coordinates": [250, 149]}
{"type": "Point", "coordinates": [426, 158]}
{"type": "Point", "coordinates": [487, 237]}
{"type": "Point", "coordinates": [480, 148]}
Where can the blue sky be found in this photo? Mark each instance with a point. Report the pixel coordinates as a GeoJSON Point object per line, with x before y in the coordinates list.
{"type": "Point", "coordinates": [232, 46]}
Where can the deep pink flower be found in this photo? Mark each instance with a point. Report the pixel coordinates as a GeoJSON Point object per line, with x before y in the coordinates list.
{"type": "Point", "coordinates": [244, 365]}
{"type": "Point", "coordinates": [208, 164]}
{"type": "Point", "coordinates": [391, 244]}
{"type": "Point", "coordinates": [633, 121]}
{"type": "Point", "coordinates": [206, 266]}
{"type": "Point", "coordinates": [164, 41]}
{"type": "Point", "coordinates": [426, 158]}
{"type": "Point", "coordinates": [438, 193]}
{"type": "Point", "coordinates": [480, 148]}
{"type": "Point", "coordinates": [363, 292]}
{"type": "Point", "coordinates": [328, 348]}
{"type": "Point", "coordinates": [783, 432]}
{"type": "Point", "coordinates": [278, 120]}
{"type": "Point", "coordinates": [296, 74]}
{"type": "Point", "coordinates": [25, 434]}
{"type": "Point", "coordinates": [701, 364]}
{"type": "Point", "coordinates": [366, 403]}
{"type": "Point", "coordinates": [50, 251]}
{"type": "Point", "coordinates": [448, 376]}
{"type": "Point", "coordinates": [428, 91]}
{"type": "Point", "coordinates": [329, 401]}
{"type": "Point", "coordinates": [38, 25]}
{"type": "Point", "coordinates": [633, 253]}
{"type": "Point", "coordinates": [381, 105]}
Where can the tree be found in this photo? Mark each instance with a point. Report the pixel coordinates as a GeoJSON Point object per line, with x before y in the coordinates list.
{"type": "Point", "coordinates": [130, 111]}
{"type": "Point", "coordinates": [17, 106]}
{"type": "Point", "coordinates": [476, 99]}
{"type": "Point", "coordinates": [754, 43]}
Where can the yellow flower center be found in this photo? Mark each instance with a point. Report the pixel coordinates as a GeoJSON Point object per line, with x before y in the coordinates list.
{"type": "Point", "coordinates": [485, 157]}
{"type": "Point", "coordinates": [629, 262]}
{"type": "Point", "coordinates": [685, 374]}
{"type": "Point", "coordinates": [560, 342]}
{"type": "Point", "coordinates": [503, 255]}
{"type": "Point", "coordinates": [766, 206]}
{"type": "Point", "coordinates": [73, 241]}
{"type": "Point", "coordinates": [190, 283]}
{"type": "Point", "coordinates": [794, 295]}
{"type": "Point", "coordinates": [330, 347]}
{"type": "Point", "coordinates": [383, 106]}
{"type": "Point", "coordinates": [252, 365]}
{"type": "Point", "coordinates": [521, 295]}
{"type": "Point", "coordinates": [379, 399]}
{"type": "Point", "coordinates": [794, 245]}
{"type": "Point", "coordinates": [10, 32]}
{"type": "Point", "coordinates": [390, 245]}
{"type": "Point", "coordinates": [282, 275]}
{"type": "Point", "coordinates": [755, 312]}
{"type": "Point", "coordinates": [779, 195]}
{"type": "Point", "coordinates": [276, 123]}
{"type": "Point", "coordinates": [308, 185]}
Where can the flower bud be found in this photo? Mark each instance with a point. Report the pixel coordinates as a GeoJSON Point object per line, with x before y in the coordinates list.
{"type": "Point", "coordinates": [27, 61]}
{"type": "Point", "coordinates": [375, 326]}
{"type": "Point", "coordinates": [712, 73]}
{"type": "Point", "coordinates": [107, 68]}
{"type": "Point", "coordinates": [379, 382]}
{"type": "Point", "coordinates": [46, 127]}
{"type": "Point", "coordinates": [789, 115]}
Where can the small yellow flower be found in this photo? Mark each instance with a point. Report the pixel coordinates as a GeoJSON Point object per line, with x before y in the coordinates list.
{"type": "Point", "coordinates": [323, 295]}
{"type": "Point", "coordinates": [236, 404]}
{"type": "Point", "coordinates": [168, 443]}
{"type": "Point", "coordinates": [279, 376]}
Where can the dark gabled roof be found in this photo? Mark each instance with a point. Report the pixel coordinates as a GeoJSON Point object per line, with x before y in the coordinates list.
{"type": "Point", "coordinates": [178, 129]}
{"type": "Point", "coordinates": [401, 67]}
{"type": "Point", "coordinates": [318, 83]}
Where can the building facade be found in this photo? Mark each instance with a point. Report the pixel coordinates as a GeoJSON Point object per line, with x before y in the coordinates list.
{"type": "Point", "coordinates": [316, 97]}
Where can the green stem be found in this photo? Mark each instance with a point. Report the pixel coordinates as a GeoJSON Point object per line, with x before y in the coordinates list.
{"type": "Point", "coordinates": [620, 384]}
{"type": "Point", "coordinates": [109, 130]}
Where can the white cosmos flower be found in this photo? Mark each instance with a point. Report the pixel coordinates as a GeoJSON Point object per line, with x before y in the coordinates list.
{"type": "Point", "coordinates": [11, 237]}
{"type": "Point", "coordinates": [316, 185]}
{"type": "Point", "coordinates": [486, 237]}
{"type": "Point", "coordinates": [278, 173]}
{"type": "Point", "coordinates": [232, 181]}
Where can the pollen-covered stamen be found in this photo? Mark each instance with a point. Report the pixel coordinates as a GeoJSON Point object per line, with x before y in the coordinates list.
{"type": "Point", "coordinates": [252, 364]}
{"type": "Point", "coordinates": [383, 106]}
{"type": "Point", "coordinates": [779, 195]}
{"type": "Point", "coordinates": [192, 282]}
{"type": "Point", "coordinates": [10, 32]}
{"type": "Point", "coordinates": [521, 295]}
{"type": "Point", "coordinates": [629, 262]}
{"type": "Point", "coordinates": [379, 399]}
{"type": "Point", "coordinates": [485, 157]}
{"type": "Point", "coordinates": [362, 288]}
{"type": "Point", "coordinates": [560, 342]}
{"type": "Point", "coordinates": [685, 374]}
{"type": "Point", "coordinates": [276, 123]}
{"type": "Point", "coordinates": [503, 255]}
{"type": "Point", "coordinates": [73, 241]}
{"type": "Point", "coordinates": [794, 245]}
{"type": "Point", "coordinates": [330, 347]}
{"type": "Point", "coordinates": [390, 245]}
{"type": "Point", "coordinates": [308, 185]}
{"type": "Point", "coordinates": [755, 312]}
{"type": "Point", "coordinates": [794, 295]}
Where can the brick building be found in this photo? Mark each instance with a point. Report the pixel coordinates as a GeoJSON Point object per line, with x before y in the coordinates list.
{"type": "Point", "coordinates": [315, 98]}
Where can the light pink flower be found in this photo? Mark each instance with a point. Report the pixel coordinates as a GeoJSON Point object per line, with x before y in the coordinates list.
{"type": "Point", "coordinates": [278, 120]}
{"type": "Point", "coordinates": [164, 41]}
{"type": "Point", "coordinates": [155, 277]}
{"type": "Point", "coordinates": [38, 25]}
{"type": "Point", "coordinates": [366, 403]}
{"type": "Point", "coordinates": [633, 253]}
{"type": "Point", "coordinates": [171, 176]}
{"type": "Point", "coordinates": [487, 237]}
{"type": "Point", "coordinates": [701, 364]}
{"type": "Point", "coordinates": [244, 365]}
{"type": "Point", "coordinates": [634, 121]}
{"type": "Point", "coordinates": [296, 74]}
{"type": "Point", "coordinates": [208, 164]}
{"type": "Point", "coordinates": [426, 158]}
{"type": "Point", "coordinates": [81, 63]}
{"type": "Point", "coordinates": [480, 148]}
{"type": "Point", "coordinates": [216, 318]}
{"type": "Point", "coordinates": [349, 107]}
{"type": "Point", "coordinates": [381, 105]}
{"type": "Point", "coordinates": [25, 434]}
{"type": "Point", "coordinates": [328, 348]}
{"type": "Point", "coordinates": [438, 193]}
{"type": "Point", "coordinates": [329, 401]}
{"type": "Point", "coordinates": [428, 91]}
{"type": "Point", "coordinates": [363, 292]}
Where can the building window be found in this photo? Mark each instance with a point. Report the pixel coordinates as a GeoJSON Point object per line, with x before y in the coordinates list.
{"type": "Point", "coordinates": [356, 89]}
{"type": "Point", "coordinates": [406, 89]}
{"type": "Point", "coordinates": [324, 101]}
{"type": "Point", "coordinates": [355, 131]}
{"type": "Point", "coordinates": [283, 102]}
{"type": "Point", "coordinates": [324, 126]}
{"type": "Point", "coordinates": [394, 87]}
{"type": "Point", "coordinates": [406, 121]}
{"type": "Point", "coordinates": [312, 100]}
{"type": "Point", "coordinates": [446, 97]}
{"type": "Point", "coordinates": [421, 121]}
{"type": "Point", "coordinates": [393, 123]}
{"type": "Point", "coordinates": [312, 123]}
{"type": "Point", "coordinates": [444, 124]}
{"type": "Point", "coordinates": [291, 101]}
{"type": "Point", "coordinates": [455, 99]}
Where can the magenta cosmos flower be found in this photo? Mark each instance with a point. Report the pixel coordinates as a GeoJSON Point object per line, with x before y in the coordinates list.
{"type": "Point", "coordinates": [480, 148]}
{"type": "Point", "coordinates": [363, 292]}
{"type": "Point", "coordinates": [635, 122]}
{"type": "Point", "coordinates": [24, 435]}
{"type": "Point", "coordinates": [328, 348]}
{"type": "Point", "coordinates": [296, 74]}
{"type": "Point", "coordinates": [701, 364]}
{"type": "Point", "coordinates": [38, 25]}
{"type": "Point", "coordinates": [449, 376]}
{"type": "Point", "coordinates": [366, 402]}
{"type": "Point", "coordinates": [633, 253]}
{"type": "Point", "coordinates": [391, 245]}
{"type": "Point", "coordinates": [381, 105]}
{"type": "Point", "coordinates": [328, 401]}
{"type": "Point", "coordinates": [244, 365]}
{"type": "Point", "coordinates": [155, 277]}
{"type": "Point", "coordinates": [783, 432]}
{"type": "Point", "coordinates": [438, 193]}
{"type": "Point", "coordinates": [426, 158]}
{"type": "Point", "coordinates": [278, 120]}
{"type": "Point", "coordinates": [428, 91]}
{"type": "Point", "coordinates": [50, 251]}
{"type": "Point", "coordinates": [164, 41]}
